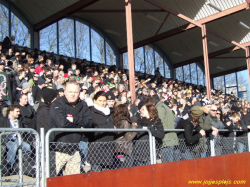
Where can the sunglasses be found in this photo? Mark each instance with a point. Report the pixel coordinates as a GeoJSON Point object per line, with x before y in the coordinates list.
{"type": "Point", "coordinates": [218, 113]}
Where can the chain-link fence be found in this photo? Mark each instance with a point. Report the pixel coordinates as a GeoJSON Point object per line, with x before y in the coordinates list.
{"type": "Point", "coordinates": [206, 147]}
{"type": "Point", "coordinates": [20, 157]}
{"type": "Point", "coordinates": [82, 157]}
{"type": "Point", "coordinates": [21, 153]}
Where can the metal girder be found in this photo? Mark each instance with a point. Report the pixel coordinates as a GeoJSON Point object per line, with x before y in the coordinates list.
{"type": "Point", "coordinates": [63, 13]}
{"type": "Point", "coordinates": [182, 29]}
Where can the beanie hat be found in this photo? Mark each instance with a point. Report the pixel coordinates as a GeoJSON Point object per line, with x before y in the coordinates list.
{"type": "Point", "coordinates": [2, 62]}
{"type": "Point", "coordinates": [41, 81]}
{"type": "Point", "coordinates": [26, 85]}
{"type": "Point", "coordinates": [60, 90]}
{"type": "Point", "coordinates": [110, 95]}
{"type": "Point", "coordinates": [196, 111]}
{"type": "Point", "coordinates": [48, 95]}
{"type": "Point", "coordinates": [205, 101]}
{"type": "Point", "coordinates": [235, 108]}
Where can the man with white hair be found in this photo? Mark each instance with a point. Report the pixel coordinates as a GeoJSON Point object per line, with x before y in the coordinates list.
{"type": "Point", "coordinates": [69, 111]}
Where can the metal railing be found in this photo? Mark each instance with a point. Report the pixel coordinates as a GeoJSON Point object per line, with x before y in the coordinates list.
{"type": "Point", "coordinates": [32, 140]}
{"type": "Point", "coordinates": [151, 149]}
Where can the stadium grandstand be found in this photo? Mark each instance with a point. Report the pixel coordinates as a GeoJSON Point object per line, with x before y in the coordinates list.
{"type": "Point", "coordinates": [92, 86]}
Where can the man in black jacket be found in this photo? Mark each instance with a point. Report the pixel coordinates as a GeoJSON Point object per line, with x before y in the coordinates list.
{"type": "Point", "coordinates": [11, 120]}
{"type": "Point", "coordinates": [27, 113]}
{"type": "Point", "coordinates": [69, 112]}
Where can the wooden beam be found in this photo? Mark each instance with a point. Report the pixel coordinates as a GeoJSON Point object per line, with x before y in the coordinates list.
{"type": "Point", "coordinates": [178, 14]}
{"type": "Point", "coordinates": [162, 23]}
{"type": "Point", "coordinates": [119, 11]}
{"type": "Point", "coordinates": [228, 71]}
{"type": "Point", "coordinates": [248, 64]}
{"type": "Point", "coordinates": [206, 60]}
{"type": "Point", "coordinates": [232, 57]}
{"type": "Point", "coordinates": [63, 13]}
{"type": "Point", "coordinates": [131, 66]}
{"type": "Point", "coordinates": [189, 26]}
{"type": "Point", "coordinates": [210, 55]}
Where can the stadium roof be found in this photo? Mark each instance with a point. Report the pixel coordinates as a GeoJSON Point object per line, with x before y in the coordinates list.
{"type": "Point", "coordinates": [160, 22]}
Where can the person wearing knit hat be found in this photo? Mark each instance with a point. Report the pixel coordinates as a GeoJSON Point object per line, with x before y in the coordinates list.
{"type": "Point", "coordinates": [37, 91]}
{"type": "Point", "coordinates": [47, 97]}
{"type": "Point", "coordinates": [26, 85]}
{"type": "Point", "coordinates": [110, 99]}
{"type": "Point", "coordinates": [196, 112]}
{"type": "Point", "coordinates": [26, 89]}
{"type": "Point", "coordinates": [192, 133]}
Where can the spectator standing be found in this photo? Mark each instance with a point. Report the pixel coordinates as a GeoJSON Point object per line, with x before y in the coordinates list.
{"type": "Point", "coordinates": [69, 112]}
{"type": "Point", "coordinates": [102, 152]}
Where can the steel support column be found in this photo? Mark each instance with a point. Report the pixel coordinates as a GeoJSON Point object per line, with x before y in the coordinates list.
{"type": "Point", "coordinates": [248, 64]}
{"type": "Point", "coordinates": [206, 61]}
{"type": "Point", "coordinates": [130, 48]}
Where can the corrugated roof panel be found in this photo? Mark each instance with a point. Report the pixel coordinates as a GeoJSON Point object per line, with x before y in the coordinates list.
{"type": "Point", "coordinates": [231, 28]}
{"type": "Point", "coordinates": [226, 64]}
{"type": "Point", "coordinates": [37, 11]}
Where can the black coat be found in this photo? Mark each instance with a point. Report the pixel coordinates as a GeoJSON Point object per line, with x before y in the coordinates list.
{"type": "Point", "coordinates": [191, 137]}
{"type": "Point", "coordinates": [141, 151]}
{"type": "Point", "coordinates": [59, 111]}
{"type": "Point", "coordinates": [103, 151]}
{"type": "Point", "coordinates": [36, 93]}
{"type": "Point", "coordinates": [43, 117]}
{"type": "Point", "coordinates": [27, 116]}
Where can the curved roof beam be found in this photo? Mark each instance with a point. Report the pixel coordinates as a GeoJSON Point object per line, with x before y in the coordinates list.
{"type": "Point", "coordinates": [211, 55]}
{"type": "Point", "coordinates": [186, 27]}
{"type": "Point", "coordinates": [63, 13]}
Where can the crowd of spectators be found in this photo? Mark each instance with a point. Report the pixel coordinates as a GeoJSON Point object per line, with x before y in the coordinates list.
{"type": "Point", "coordinates": [46, 92]}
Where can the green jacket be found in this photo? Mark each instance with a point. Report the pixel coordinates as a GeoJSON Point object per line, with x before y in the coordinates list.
{"type": "Point", "coordinates": [205, 122]}
{"type": "Point", "coordinates": [167, 119]}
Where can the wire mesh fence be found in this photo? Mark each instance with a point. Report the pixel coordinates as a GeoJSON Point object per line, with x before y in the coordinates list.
{"type": "Point", "coordinates": [73, 158]}
{"type": "Point", "coordinates": [69, 158]}
{"type": "Point", "coordinates": [21, 154]}
{"type": "Point", "coordinates": [20, 157]}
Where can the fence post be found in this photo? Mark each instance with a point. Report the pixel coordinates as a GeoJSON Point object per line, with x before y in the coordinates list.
{"type": "Point", "coordinates": [212, 145]}
{"type": "Point", "coordinates": [20, 154]}
{"type": "Point", "coordinates": [154, 150]}
{"type": "Point", "coordinates": [248, 141]}
{"type": "Point", "coordinates": [42, 157]}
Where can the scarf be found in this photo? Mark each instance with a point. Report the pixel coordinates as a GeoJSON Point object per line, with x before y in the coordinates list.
{"type": "Point", "coordinates": [105, 110]}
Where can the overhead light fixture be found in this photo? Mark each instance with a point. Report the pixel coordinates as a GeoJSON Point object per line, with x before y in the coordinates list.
{"type": "Point", "coordinates": [213, 6]}
{"type": "Point", "coordinates": [213, 43]}
{"type": "Point", "coordinates": [244, 25]}
{"type": "Point", "coordinates": [218, 67]}
{"type": "Point", "coordinates": [153, 18]}
{"type": "Point", "coordinates": [113, 32]}
{"type": "Point", "coordinates": [176, 53]}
